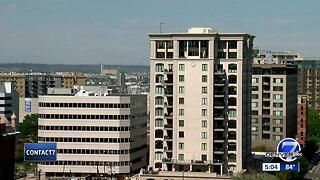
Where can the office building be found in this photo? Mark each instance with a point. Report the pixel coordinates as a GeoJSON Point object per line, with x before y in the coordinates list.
{"type": "Point", "coordinates": [274, 103]}
{"type": "Point", "coordinates": [302, 121]}
{"type": "Point", "coordinates": [309, 80]}
{"type": "Point", "coordinates": [18, 81]}
{"type": "Point", "coordinates": [200, 106]}
{"type": "Point", "coordinates": [94, 134]}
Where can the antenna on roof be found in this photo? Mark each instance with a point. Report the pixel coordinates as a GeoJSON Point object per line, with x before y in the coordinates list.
{"type": "Point", "coordinates": [161, 23]}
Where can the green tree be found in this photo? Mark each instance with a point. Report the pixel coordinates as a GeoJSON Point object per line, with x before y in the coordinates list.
{"type": "Point", "coordinates": [313, 125]}
{"type": "Point", "coordinates": [310, 148]}
{"type": "Point", "coordinates": [29, 128]}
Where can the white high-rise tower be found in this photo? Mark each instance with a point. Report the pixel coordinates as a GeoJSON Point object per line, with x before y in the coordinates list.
{"type": "Point", "coordinates": [200, 100]}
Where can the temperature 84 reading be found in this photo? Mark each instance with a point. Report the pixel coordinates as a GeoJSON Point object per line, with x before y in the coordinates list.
{"type": "Point", "coordinates": [294, 167]}
{"type": "Point", "coordinates": [290, 166]}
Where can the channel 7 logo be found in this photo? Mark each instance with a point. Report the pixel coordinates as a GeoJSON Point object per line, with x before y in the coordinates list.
{"type": "Point", "coordinates": [288, 149]}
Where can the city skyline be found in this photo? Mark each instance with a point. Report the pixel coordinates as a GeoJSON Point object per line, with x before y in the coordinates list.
{"type": "Point", "coordinates": [79, 32]}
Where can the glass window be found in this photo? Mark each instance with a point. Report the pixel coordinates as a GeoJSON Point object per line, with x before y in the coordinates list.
{"type": "Point", "coordinates": [277, 137]}
{"type": "Point", "coordinates": [222, 45]}
{"type": "Point", "coordinates": [232, 135]}
{"type": "Point", "coordinates": [204, 101]}
{"type": "Point", "coordinates": [204, 67]}
{"type": "Point", "coordinates": [159, 90]}
{"type": "Point", "coordinates": [181, 67]}
{"type": "Point", "coordinates": [255, 96]}
{"type": "Point", "coordinates": [181, 157]}
{"type": "Point", "coordinates": [232, 44]}
{"type": "Point", "coordinates": [254, 104]}
{"type": "Point", "coordinates": [278, 113]}
{"type": "Point", "coordinates": [159, 67]}
{"type": "Point", "coordinates": [232, 79]}
{"type": "Point", "coordinates": [158, 156]}
{"type": "Point", "coordinates": [278, 96]}
{"type": "Point", "coordinates": [181, 134]}
{"type": "Point", "coordinates": [232, 101]}
{"type": "Point", "coordinates": [181, 89]}
{"type": "Point", "coordinates": [278, 105]}
{"type": "Point", "coordinates": [204, 135]}
{"type": "Point", "coordinates": [277, 88]}
{"type": "Point", "coordinates": [159, 123]}
{"type": "Point", "coordinates": [160, 44]}
{"type": "Point", "coordinates": [159, 112]}
{"type": "Point", "coordinates": [277, 80]}
{"type": "Point", "coordinates": [181, 78]}
{"type": "Point", "coordinates": [181, 146]}
{"type": "Point", "coordinates": [277, 121]}
{"type": "Point", "coordinates": [181, 100]}
{"type": "Point", "coordinates": [204, 146]}
{"type": "Point", "coordinates": [232, 67]}
{"type": "Point", "coordinates": [254, 137]}
{"type": "Point", "coordinates": [159, 100]}
{"type": "Point", "coordinates": [181, 123]}
{"type": "Point", "coordinates": [254, 120]}
{"type": "Point", "coordinates": [255, 80]}
{"type": "Point", "coordinates": [254, 128]}
{"type": "Point", "coordinates": [204, 112]}
{"type": "Point", "coordinates": [232, 157]}
{"type": "Point", "coordinates": [255, 88]}
{"type": "Point", "coordinates": [232, 55]}
{"type": "Point", "coordinates": [159, 78]}
{"type": "Point", "coordinates": [160, 54]}
{"type": "Point", "coordinates": [204, 123]}
{"type": "Point", "coordinates": [204, 90]}
{"type": "Point", "coordinates": [222, 55]}
{"type": "Point", "coordinates": [204, 78]}
{"type": "Point", "coordinates": [232, 113]}
{"type": "Point", "coordinates": [181, 112]}
{"type": "Point", "coordinates": [277, 129]}
{"type": "Point", "coordinates": [169, 44]}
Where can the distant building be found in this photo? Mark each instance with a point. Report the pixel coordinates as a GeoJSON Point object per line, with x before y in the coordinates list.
{"type": "Point", "coordinates": [94, 134]}
{"type": "Point", "coordinates": [18, 81]}
{"type": "Point", "coordinates": [121, 79]}
{"type": "Point", "coordinates": [30, 85]}
{"type": "Point", "coordinates": [309, 81]}
{"type": "Point", "coordinates": [108, 72]}
{"type": "Point", "coordinates": [268, 57]}
{"type": "Point", "coordinates": [9, 101]}
{"type": "Point", "coordinates": [27, 106]}
{"type": "Point", "coordinates": [274, 103]}
{"type": "Point", "coordinates": [302, 119]}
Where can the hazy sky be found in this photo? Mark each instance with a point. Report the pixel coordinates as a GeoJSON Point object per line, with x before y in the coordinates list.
{"type": "Point", "coordinates": [115, 31]}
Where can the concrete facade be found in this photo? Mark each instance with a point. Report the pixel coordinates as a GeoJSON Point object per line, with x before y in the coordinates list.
{"type": "Point", "coordinates": [192, 125]}
{"type": "Point", "coordinates": [94, 134]}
